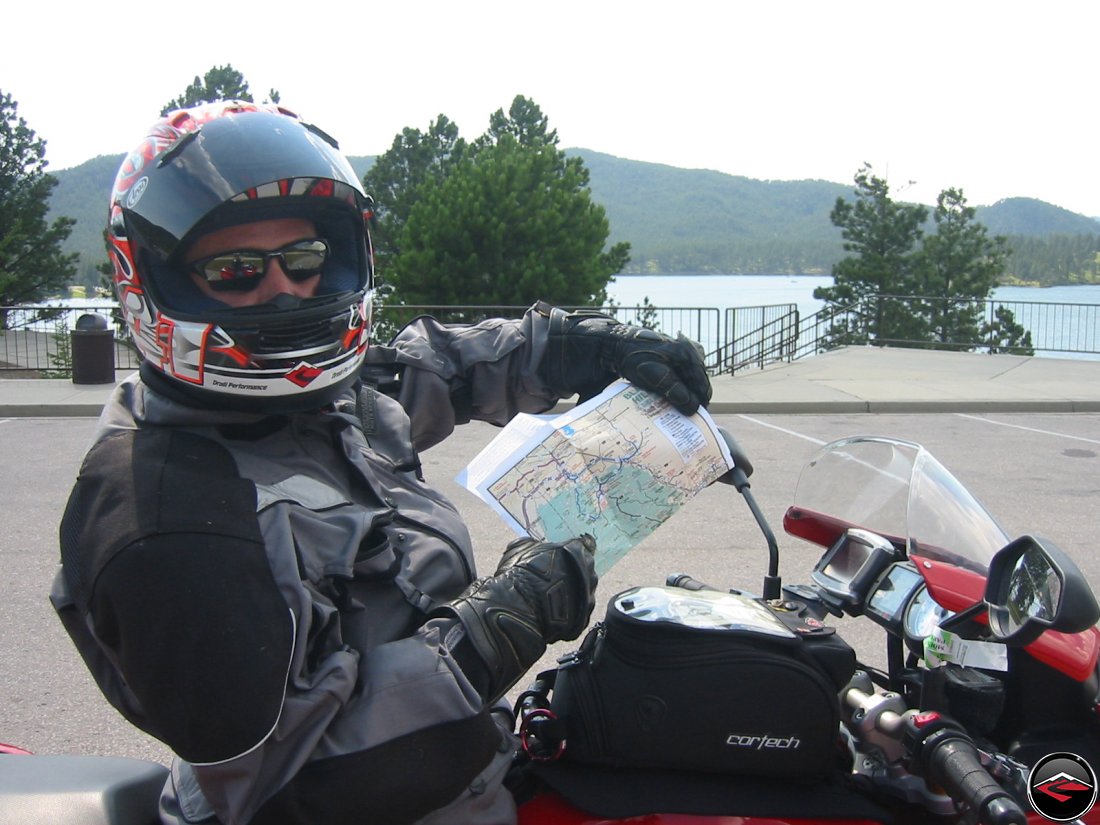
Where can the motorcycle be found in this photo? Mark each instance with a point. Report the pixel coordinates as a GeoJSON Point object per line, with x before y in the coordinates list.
{"type": "Point", "coordinates": [991, 670]}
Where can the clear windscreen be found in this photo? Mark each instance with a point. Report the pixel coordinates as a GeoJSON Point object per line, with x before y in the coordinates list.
{"type": "Point", "coordinates": [900, 491]}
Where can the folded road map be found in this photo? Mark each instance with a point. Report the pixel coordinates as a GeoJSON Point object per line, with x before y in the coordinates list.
{"type": "Point", "coordinates": [616, 467]}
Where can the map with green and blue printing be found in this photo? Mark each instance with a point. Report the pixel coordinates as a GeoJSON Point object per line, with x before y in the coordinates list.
{"type": "Point", "coordinates": [616, 467]}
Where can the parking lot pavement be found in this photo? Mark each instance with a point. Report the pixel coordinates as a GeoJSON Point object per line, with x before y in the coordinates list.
{"type": "Point", "coordinates": [1037, 472]}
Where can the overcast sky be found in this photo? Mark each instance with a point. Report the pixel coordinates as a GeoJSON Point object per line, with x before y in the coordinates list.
{"type": "Point", "coordinates": [996, 98]}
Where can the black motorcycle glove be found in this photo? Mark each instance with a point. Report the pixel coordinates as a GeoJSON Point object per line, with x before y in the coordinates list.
{"type": "Point", "coordinates": [542, 592]}
{"type": "Point", "coordinates": [587, 351]}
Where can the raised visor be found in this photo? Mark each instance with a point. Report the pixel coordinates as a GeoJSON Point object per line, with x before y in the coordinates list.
{"type": "Point", "coordinates": [79, 790]}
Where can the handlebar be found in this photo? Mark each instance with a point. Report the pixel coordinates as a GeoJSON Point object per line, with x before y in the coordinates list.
{"type": "Point", "coordinates": [686, 582]}
{"type": "Point", "coordinates": [952, 761]}
{"type": "Point", "coordinates": [935, 747]}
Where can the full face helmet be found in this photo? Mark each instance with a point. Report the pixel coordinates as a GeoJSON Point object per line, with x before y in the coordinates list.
{"type": "Point", "coordinates": [217, 166]}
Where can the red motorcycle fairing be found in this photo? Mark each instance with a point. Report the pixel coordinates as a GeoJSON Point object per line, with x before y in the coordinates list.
{"type": "Point", "coordinates": [818, 528]}
{"type": "Point", "coordinates": [1073, 654]}
{"type": "Point", "coordinates": [956, 588]}
{"type": "Point", "coordinates": [551, 809]}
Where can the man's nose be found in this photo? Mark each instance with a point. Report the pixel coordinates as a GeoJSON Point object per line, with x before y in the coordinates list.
{"type": "Point", "coordinates": [275, 282]}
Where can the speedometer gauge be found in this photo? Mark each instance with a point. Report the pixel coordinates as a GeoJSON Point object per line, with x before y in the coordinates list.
{"type": "Point", "coordinates": [890, 595]}
{"type": "Point", "coordinates": [924, 615]}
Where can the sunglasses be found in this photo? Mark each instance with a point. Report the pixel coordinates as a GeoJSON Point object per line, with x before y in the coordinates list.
{"type": "Point", "coordinates": [241, 270]}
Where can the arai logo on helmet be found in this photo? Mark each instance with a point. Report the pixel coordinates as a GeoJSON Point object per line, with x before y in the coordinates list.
{"type": "Point", "coordinates": [136, 192]}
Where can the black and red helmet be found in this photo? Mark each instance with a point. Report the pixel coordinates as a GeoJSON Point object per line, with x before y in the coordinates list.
{"type": "Point", "coordinates": [215, 166]}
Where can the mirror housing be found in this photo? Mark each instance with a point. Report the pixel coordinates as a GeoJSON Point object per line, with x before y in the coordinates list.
{"type": "Point", "coordinates": [1032, 587]}
{"type": "Point", "coordinates": [742, 469]}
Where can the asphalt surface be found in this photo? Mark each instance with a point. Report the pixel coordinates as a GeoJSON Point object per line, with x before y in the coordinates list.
{"type": "Point", "coordinates": [1002, 424]}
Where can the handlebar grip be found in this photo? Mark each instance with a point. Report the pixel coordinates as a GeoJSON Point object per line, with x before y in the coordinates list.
{"type": "Point", "coordinates": [686, 582]}
{"type": "Point", "coordinates": [953, 763]}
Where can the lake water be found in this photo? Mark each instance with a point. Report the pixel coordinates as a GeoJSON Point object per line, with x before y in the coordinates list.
{"type": "Point", "coordinates": [724, 291]}
{"type": "Point", "coordinates": [721, 291]}
{"type": "Point", "coordinates": [1076, 329]}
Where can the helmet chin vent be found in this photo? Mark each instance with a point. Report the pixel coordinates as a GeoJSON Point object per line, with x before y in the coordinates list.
{"type": "Point", "coordinates": [274, 340]}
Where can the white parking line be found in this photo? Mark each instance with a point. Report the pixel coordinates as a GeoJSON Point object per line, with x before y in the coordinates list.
{"type": "Point", "coordinates": [803, 436]}
{"type": "Point", "coordinates": [1029, 429]}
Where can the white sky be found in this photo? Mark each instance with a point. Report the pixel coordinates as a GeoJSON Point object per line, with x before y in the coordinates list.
{"type": "Point", "coordinates": [996, 98]}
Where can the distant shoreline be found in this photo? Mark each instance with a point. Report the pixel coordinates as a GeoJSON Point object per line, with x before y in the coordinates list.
{"type": "Point", "coordinates": [1010, 283]}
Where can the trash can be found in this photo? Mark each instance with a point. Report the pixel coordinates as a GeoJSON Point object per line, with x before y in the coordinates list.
{"type": "Point", "coordinates": [93, 350]}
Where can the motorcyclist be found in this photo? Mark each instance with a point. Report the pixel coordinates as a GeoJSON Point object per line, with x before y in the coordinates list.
{"type": "Point", "coordinates": [253, 568]}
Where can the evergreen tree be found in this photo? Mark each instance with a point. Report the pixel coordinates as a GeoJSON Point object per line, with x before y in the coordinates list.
{"type": "Point", "coordinates": [906, 288]}
{"type": "Point", "coordinates": [505, 220]}
{"type": "Point", "coordinates": [395, 179]}
{"type": "Point", "coordinates": [883, 235]}
{"type": "Point", "coordinates": [506, 227]}
{"type": "Point", "coordinates": [219, 83]}
{"type": "Point", "coordinates": [958, 267]}
{"type": "Point", "coordinates": [32, 264]}
{"type": "Point", "coordinates": [1004, 334]}
{"type": "Point", "coordinates": [525, 122]}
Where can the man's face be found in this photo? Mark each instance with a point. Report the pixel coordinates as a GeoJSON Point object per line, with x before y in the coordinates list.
{"type": "Point", "coordinates": [261, 236]}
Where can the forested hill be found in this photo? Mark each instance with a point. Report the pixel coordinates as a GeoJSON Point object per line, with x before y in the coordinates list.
{"type": "Point", "coordinates": [692, 220]}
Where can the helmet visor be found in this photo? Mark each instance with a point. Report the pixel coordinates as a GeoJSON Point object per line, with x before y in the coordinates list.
{"type": "Point", "coordinates": [237, 157]}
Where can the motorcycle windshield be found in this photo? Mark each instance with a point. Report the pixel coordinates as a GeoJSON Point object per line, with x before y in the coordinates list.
{"type": "Point", "coordinates": [900, 491]}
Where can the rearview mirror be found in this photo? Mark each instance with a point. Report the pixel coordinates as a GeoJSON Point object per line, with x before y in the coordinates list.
{"type": "Point", "coordinates": [1033, 586]}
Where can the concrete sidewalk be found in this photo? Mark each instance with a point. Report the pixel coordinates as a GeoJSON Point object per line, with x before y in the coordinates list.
{"type": "Point", "coordinates": [877, 380]}
{"type": "Point", "coordinates": [853, 379]}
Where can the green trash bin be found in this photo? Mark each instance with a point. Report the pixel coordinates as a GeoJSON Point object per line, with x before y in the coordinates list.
{"type": "Point", "coordinates": [93, 350]}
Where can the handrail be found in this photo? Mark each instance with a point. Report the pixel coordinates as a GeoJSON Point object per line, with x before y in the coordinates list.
{"type": "Point", "coordinates": [734, 339]}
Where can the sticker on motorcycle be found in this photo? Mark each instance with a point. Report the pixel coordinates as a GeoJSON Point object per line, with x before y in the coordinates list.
{"type": "Point", "coordinates": [942, 646]}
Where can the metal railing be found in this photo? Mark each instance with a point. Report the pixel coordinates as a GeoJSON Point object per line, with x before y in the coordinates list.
{"type": "Point", "coordinates": [756, 336]}
{"type": "Point", "coordinates": [964, 324]}
{"type": "Point", "coordinates": [1053, 328]}
{"type": "Point", "coordinates": [33, 339]}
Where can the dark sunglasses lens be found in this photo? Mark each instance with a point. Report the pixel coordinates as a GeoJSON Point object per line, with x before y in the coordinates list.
{"type": "Point", "coordinates": [237, 272]}
{"type": "Point", "coordinates": [243, 271]}
{"type": "Point", "coordinates": [304, 260]}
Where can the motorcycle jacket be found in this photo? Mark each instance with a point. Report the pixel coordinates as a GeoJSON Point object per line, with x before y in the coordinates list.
{"type": "Point", "coordinates": [255, 590]}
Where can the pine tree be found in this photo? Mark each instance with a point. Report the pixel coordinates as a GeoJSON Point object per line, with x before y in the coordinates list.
{"type": "Point", "coordinates": [32, 264]}
{"type": "Point", "coordinates": [505, 220]}
{"type": "Point", "coordinates": [958, 266]}
{"type": "Point", "coordinates": [883, 235]}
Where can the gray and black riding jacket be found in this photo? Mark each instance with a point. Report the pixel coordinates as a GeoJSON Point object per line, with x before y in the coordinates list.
{"type": "Point", "coordinates": [254, 591]}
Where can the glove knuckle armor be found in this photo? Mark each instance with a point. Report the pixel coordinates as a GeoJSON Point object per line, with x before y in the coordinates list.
{"type": "Point", "coordinates": [541, 593]}
{"type": "Point", "coordinates": [586, 351]}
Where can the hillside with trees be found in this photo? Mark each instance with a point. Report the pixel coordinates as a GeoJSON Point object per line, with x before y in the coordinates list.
{"type": "Point", "coordinates": [690, 220]}
{"type": "Point", "coordinates": [695, 220]}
